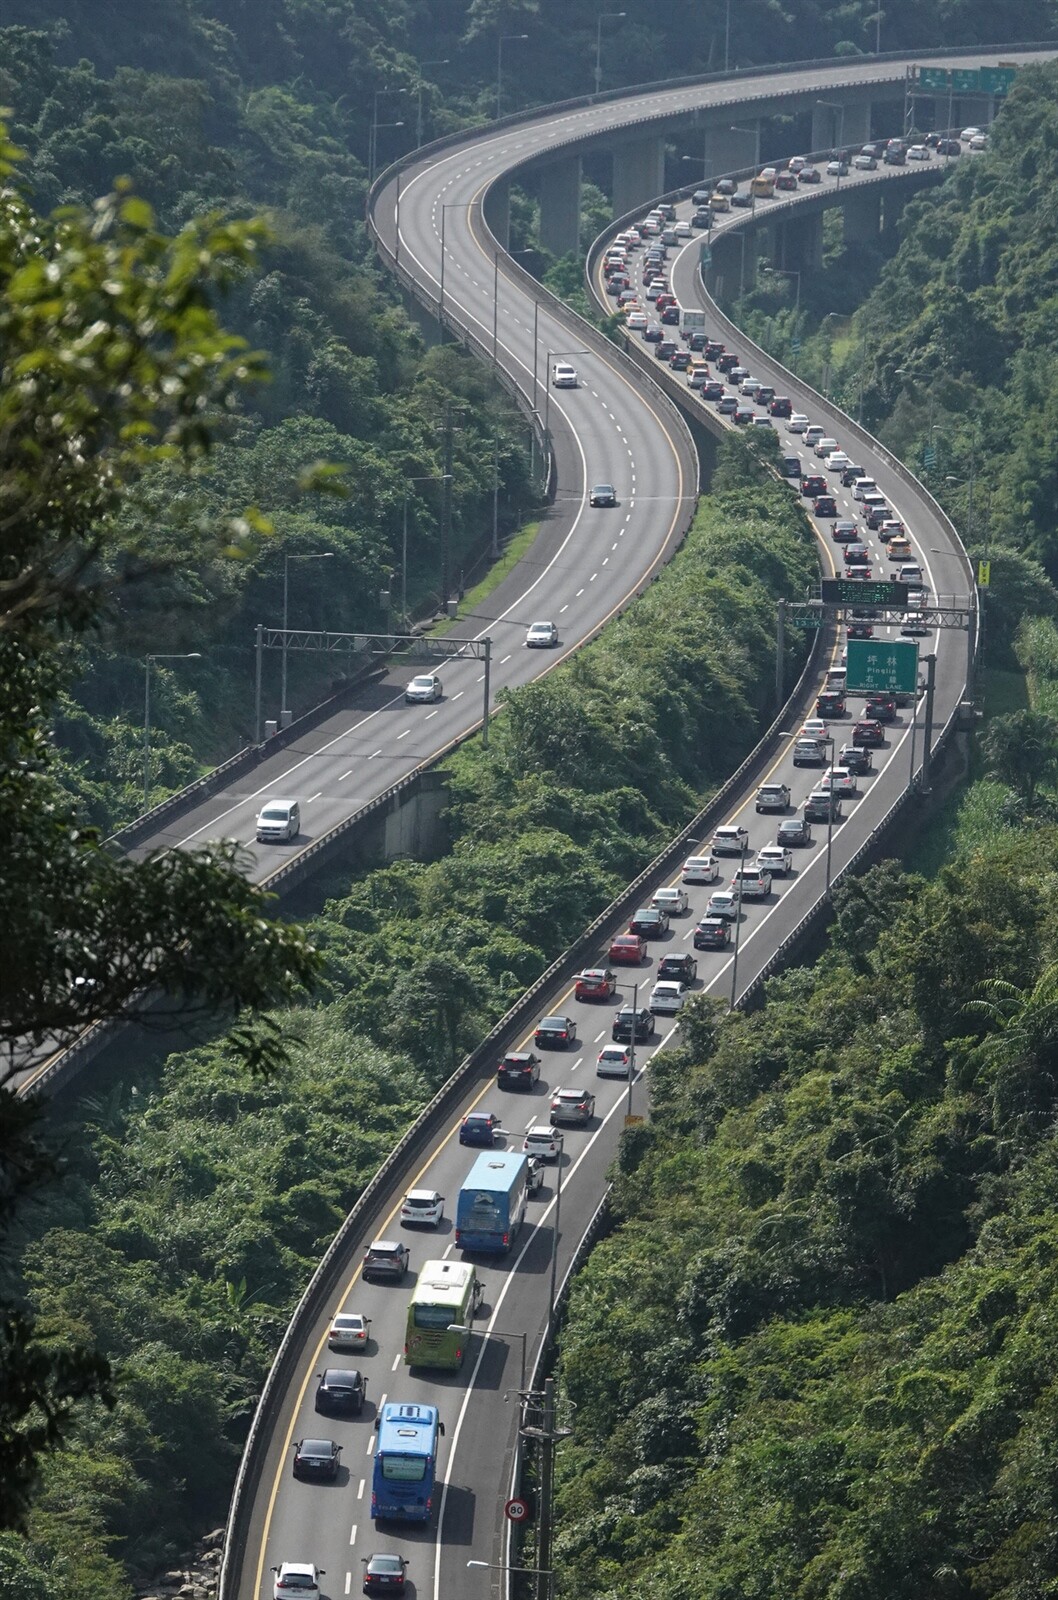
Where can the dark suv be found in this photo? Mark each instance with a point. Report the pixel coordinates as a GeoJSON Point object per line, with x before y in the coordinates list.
{"type": "Point", "coordinates": [519, 1069]}
{"type": "Point", "coordinates": [681, 968]}
{"type": "Point", "coordinates": [644, 1024]}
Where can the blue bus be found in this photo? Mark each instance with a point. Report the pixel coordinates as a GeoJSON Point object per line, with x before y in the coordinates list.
{"type": "Point", "coordinates": [492, 1201]}
{"type": "Point", "coordinates": [405, 1469]}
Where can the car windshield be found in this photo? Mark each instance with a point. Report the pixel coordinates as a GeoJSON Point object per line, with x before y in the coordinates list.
{"type": "Point", "coordinates": [317, 1447]}
{"type": "Point", "coordinates": [422, 683]}
{"type": "Point", "coordinates": [274, 813]}
{"type": "Point", "coordinates": [385, 1564]}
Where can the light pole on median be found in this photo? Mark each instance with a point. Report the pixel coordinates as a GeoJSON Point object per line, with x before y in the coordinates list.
{"type": "Point", "coordinates": [738, 926]}
{"type": "Point", "coordinates": [418, 101]}
{"type": "Point", "coordinates": [440, 477]}
{"type": "Point", "coordinates": [449, 205]}
{"type": "Point", "coordinates": [833, 743]}
{"type": "Point", "coordinates": [604, 16]}
{"type": "Point", "coordinates": [837, 105]}
{"type": "Point", "coordinates": [632, 1037]}
{"type": "Point", "coordinates": [504, 38]}
{"type": "Point", "coordinates": [323, 555]}
{"type": "Point", "coordinates": [554, 1243]}
{"type": "Point", "coordinates": [189, 655]}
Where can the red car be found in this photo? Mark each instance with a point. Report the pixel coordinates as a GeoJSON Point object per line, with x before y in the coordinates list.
{"type": "Point", "coordinates": [868, 734]}
{"type": "Point", "coordinates": [628, 950]}
{"type": "Point", "coordinates": [596, 983]}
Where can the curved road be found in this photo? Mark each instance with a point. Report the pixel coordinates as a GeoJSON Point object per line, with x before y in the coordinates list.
{"type": "Point", "coordinates": [330, 1524]}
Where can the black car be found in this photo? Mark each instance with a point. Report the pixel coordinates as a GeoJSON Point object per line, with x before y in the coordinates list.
{"type": "Point", "coordinates": [664, 350]}
{"type": "Point", "coordinates": [622, 1024]}
{"type": "Point", "coordinates": [856, 758]}
{"type": "Point", "coordinates": [696, 340]}
{"type": "Point", "coordinates": [791, 466]}
{"type": "Point", "coordinates": [386, 1258]}
{"type": "Point", "coordinates": [712, 933]}
{"type": "Point", "coordinates": [849, 475]}
{"type": "Point", "coordinates": [385, 1573]}
{"type": "Point", "coordinates": [671, 318]}
{"type": "Point", "coordinates": [949, 147]}
{"type": "Point", "coordinates": [479, 1127]}
{"type": "Point", "coordinates": [519, 1069]}
{"type": "Point", "coordinates": [602, 494]}
{"type": "Point", "coordinates": [340, 1391]}
{"type": "Point", "coordinates": [653, 333]}
{"type": "Point", "coordinates": [726, 360]}
{"type": "Point", "coordinates": [743, 200]}
{"type": "Point", "coordinates": [794, 830]}
{"type": "Point", "coordinates": [649, 923]}
{"type": "Point", "coordinates": [702, 218]}
{"type": "Point", "coordinates": [765, 395]}
{"type": "Point", "coordinates": [824, 505]}
{"type": "Point", "coordinates": [830, 704]}
{"type": "Point", "coordinates": [556, 1033]}
{"type": "Point", "coordinates": [316, 1460]}
{"type": "Point", "coordinates": [813, 485]}
{"type": "Point", "coordinates": [713, 349]}
{"type": "Point", "coordinates": [682, 968]}
{"type": "Point", "coordinates": [713, 389]}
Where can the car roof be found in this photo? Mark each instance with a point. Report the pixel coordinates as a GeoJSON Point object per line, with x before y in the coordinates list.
{"type": "Point", "coordinates": [385, 1244]}
{"type": "Point", "coordinates": [351, 1317]}
{"type": "Point", "coordinates": [317, 1447]}
{"type": "Point", "coordinates": [343, 1377]}
{"type": "Point", "coordinates": [423, 1194]}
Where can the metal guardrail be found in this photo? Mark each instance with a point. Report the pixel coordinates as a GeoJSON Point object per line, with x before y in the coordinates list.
{"type": "Point", "coordinates": [335, 1258]}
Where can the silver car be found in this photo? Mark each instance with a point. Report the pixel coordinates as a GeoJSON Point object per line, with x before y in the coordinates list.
{"type": "Point", "coordinates": [423, 690]}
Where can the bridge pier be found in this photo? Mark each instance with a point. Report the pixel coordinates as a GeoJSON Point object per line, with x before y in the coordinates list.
{"type": "Point", "coordinates": [498, 212]}
{"type": "Point", "coordinates": [845, 124]}
{"type": "Point", "coordinates": [799, 246]}
{"type": "Point", "coordinates": [728, 149]}
{"type": "Point", "coordinates": [560, 206]}
{"type": "Point", "coordinates": [862, 218]}
{"type": "Point", "coordinates": [638, 173]}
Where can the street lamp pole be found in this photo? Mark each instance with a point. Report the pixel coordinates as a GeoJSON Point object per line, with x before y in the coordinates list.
{"type": "Point", "coordinates": [503, 38]}
{"type": "Point", "coordinates": [727, 38]}
{"type": "Point", "coordinates": [604, 16]}
{"type": "Point", "coordinates": [833, 743]}
{"type": "Point", "coordinates": [487, 1333]}
{"type": "Point", "coordinates": [535, 1572]}
{"type": "Point", "coordinates": [554, 1244]}
{"type": "Point", "coordinates": [738, 926]}
{"type": "Point", "coordinates": [323, 555]}
{"type": "Point", "coordinates": [436, 477]}
{"type": "Point", "coordinates": [189, 655]}
{"type": "Point", "coordinates": [418, 105]}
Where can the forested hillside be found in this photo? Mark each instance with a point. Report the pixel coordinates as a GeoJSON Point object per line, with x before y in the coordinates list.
{"type": "Point", "coordinates": [198, 1200]}
{"type": "Point", "coordinates": [836, 1376]}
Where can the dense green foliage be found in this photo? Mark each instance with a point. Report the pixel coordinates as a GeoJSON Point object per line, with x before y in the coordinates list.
{"type": "Point", "coordinates": [351, 385]}
{"type": "Point", "coordinates": [198, 1200]}
{"type": "Point", "coordinates": [836, 1375]}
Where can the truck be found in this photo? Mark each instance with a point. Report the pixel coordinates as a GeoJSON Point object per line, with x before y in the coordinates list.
{"type": "Point", "coordinates": [492, 1201]}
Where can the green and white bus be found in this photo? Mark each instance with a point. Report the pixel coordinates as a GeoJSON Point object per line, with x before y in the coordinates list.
{"type": "Point", "coordinates": [447, 1295]}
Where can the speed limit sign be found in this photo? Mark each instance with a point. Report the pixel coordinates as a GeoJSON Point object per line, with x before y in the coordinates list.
{"type": "Point", "coordinates": [517, 1510]}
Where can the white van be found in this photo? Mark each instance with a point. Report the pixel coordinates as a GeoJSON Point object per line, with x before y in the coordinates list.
{"type": "Point", "coordinates": [864, 486]}
{"type": "Point", "coordinates": [278, 821]}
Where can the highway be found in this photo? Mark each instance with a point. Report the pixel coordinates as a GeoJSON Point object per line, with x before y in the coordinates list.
{"type": "Point", "coordinates": [330, 1525]}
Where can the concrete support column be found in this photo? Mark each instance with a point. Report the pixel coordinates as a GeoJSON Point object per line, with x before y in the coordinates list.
{"type": "Point", "coordinates": [638, 173]}
{"type": "Point", "coordinates": [856, 124]}
{"type": "Point", "coordinates": [729, 149]}
{"type": "Point", "coordinates": [862, 218]}
{"type": "Point", "coordinates": [800, 244]}
{"type": "Point", "coordinates": [975, 111]}
{"type": "Point", "coordinates": [560, 206]}
{"type": "Point", "coordinates": [498, 212]}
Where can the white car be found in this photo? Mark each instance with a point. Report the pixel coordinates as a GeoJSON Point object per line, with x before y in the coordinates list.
{"type": "Point", "coordinates": [814, 728]}
{"type": "Point", "coordinates": [754, 881]}
{"type": "Point", "coordinates": [542, 1141]}
{"type": "Point", "coordinates": [683, 230]}
{"type": "Point", "coordinates": [563, 376]}
{"type": "Point", "coordinates": [701, 869]}
{"type": "Point", "coordinates": [730, 840]}
{"type": "Point", "coordinates": [824, 447]}
{"type": "Point", "coordinates": [541, 635]}
{"type": "Point", "coordinates": [979, 141]}
{"type": "Point", "coordinates": [970, 133]}
{"type": "Point", "coordinates": [637, 321]}
{"type": "Point", "coordinates": [841, 780]}
{"type": "Point", "coordinates": [297, 1580]}
{"type": "Point", "coordinates": [749, 386]}
{"type": "Point", "coordinates": [775, 859]}
{"type": "Point", "coordinates": [813, 433]}
{"type": "Point", "coordinates": [666, 998]}
{"type": "Point", "coordinates": [797, 422]}
{"type": "Point", "coordinates": [723, 904]}
{"type": "Point", "coordinates": [278, 820]}
{"type": "Point", "coordinates": [423, 690]}
{"type": "Point", "coordinates": [837, 461]}
{"type": "Point", "coordinates": [349, 1331]}
{"type": "Point", "coordinates": [424, 1207]}
{"type": "Point", "coordinates": [919, 152]}
{"type": "Point", "coordinates": [614, 1061]}
{"type": "Point", "coordinates": [796, 164]}
{"type": "Point", "coordinates": [674, 901]}
{"type": "Point", "coordinates": [913, 624]}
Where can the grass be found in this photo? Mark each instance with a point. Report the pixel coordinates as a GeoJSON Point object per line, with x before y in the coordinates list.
{"type": "Point", "coordinates": [473, 598]}
{"type": "Point", "coordinates": [1002, 691]}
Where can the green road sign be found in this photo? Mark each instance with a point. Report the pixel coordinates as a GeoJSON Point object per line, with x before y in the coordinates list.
{"type": "Point", "coordinates": [795, 345]}
{"type": "Point", "coordinates": [933, 78]}
{"type": "Point", "coordinates": [929, 457]}
{"type": "Point", "coordinates": [877, 665]}
{"type": "Point", "coordinates": [803, 622]}
{"type": "Point", "coordinates": [860, 592]}
{"type": "Point", "coordinates": [705, 255]}
{"type": "Point", "coordinates": [965, 80]}
{"type": "Point", "coordinates": [997, 80]}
